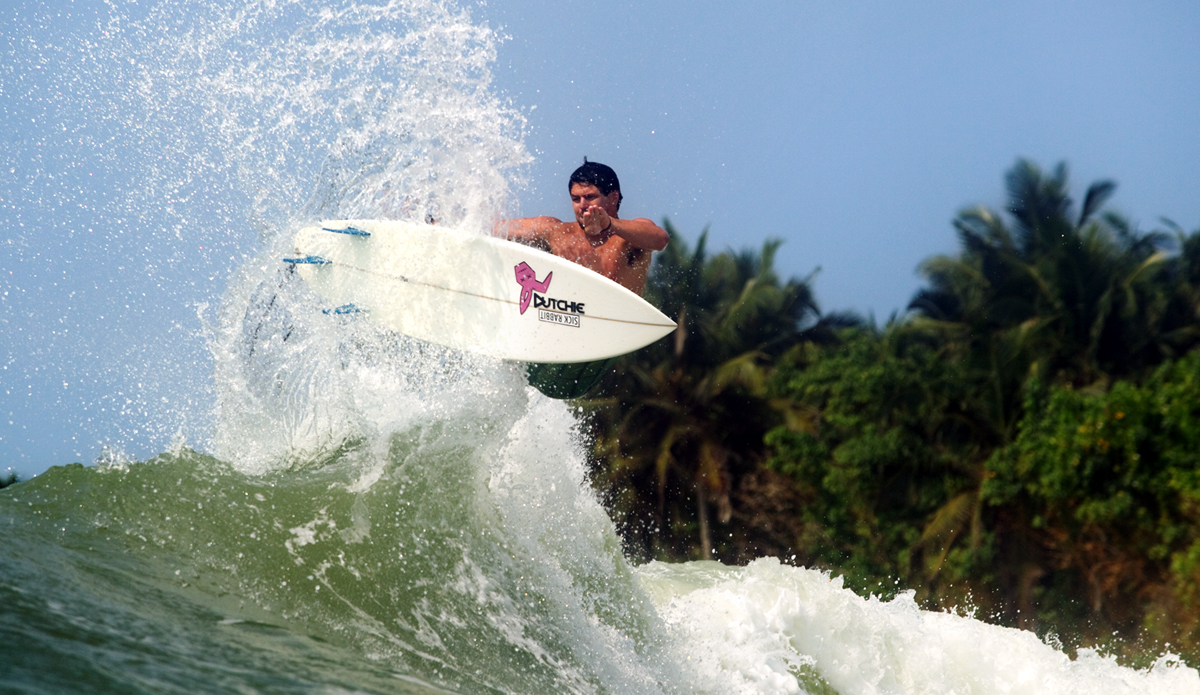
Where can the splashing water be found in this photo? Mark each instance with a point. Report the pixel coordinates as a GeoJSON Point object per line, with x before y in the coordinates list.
{"type": "Point", "coordinates": [379, 514]}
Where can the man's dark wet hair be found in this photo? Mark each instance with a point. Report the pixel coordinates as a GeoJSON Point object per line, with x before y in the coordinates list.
{"type": "Point", "coordinates": [599, 175]}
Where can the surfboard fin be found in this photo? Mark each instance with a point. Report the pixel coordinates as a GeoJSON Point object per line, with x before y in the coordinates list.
{"type": "Point", "coordinates": [343, 309]}
{"type": "Point", "coordinates": [310, 260]}
{"type": "Point", "coordinates": [347, 230]}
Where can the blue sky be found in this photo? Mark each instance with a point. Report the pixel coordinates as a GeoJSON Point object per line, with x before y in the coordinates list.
{"type": "Point", "coordinates": [856, 130]}
{"type": "Point", "coordinates": [853, 130]}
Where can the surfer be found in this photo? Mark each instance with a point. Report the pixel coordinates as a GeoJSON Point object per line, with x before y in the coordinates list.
{"type": "Point", "coordinates": [598, 239]}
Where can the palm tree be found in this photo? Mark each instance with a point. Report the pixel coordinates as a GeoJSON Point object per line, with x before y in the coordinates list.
{"type": "Point", "coordinates": [1180, 308]}
{"type": "Point", "coordinates": [688, 416]}
{"type": "Point", "coordinates": [1077, 298]}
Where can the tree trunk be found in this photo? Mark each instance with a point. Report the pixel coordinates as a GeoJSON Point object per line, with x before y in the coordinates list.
{"type": "Point", "coordinates": [702, 513]}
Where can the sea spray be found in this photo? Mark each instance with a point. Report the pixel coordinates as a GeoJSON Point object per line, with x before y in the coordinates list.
{"type": "Point", "coordinates": [349, 111]}
{"type": "Point", "coordinates": [340, 110]}
{"type": "Point", "coordinates": [157, 146]}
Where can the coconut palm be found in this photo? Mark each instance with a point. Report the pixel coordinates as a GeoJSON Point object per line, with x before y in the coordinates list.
{"type": "Point", "coordinates": [1078, 297]}
{"type": "Point", "coordinates": [1075, 298]}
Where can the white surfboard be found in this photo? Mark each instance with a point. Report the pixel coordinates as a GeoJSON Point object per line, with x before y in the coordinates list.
{"type": "Point", "coordinates": [474, 293]}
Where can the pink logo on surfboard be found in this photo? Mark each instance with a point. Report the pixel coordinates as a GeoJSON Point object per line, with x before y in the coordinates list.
{"type": "Point", "coordinates": [529, 283]}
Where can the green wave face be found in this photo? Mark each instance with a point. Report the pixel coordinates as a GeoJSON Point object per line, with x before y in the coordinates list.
{"type": "Point", "coordinates": [422, 562]}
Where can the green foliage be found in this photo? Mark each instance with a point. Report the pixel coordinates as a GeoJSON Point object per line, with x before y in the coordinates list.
{"type": "Point", "coordinates": [686, 422]}
{"type": "Point", "coordinates": [8, 478]}
{"type": "Point", "coordinates": [1023, 441]}
{"type": "Point", "coordinates": [1110, 492]}
{"type": "Point", "coordinates": [893, 446]}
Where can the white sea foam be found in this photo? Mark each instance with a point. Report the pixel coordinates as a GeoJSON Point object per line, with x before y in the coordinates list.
{"type": "Point", "coordinates": [766, 622]}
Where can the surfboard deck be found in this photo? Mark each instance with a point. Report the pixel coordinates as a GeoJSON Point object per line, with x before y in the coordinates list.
{"type": "Point", "coordinates": [474, 293]}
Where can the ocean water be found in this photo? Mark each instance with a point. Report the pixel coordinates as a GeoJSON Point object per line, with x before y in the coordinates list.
{"type": "Point", "coordinates": [463, 551]}
{"type": "Point", "coordinates": [365, 513]}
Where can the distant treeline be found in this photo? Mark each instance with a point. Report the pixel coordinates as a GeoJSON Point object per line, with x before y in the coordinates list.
{"type": "Point", "coordinates": [1021, 443]}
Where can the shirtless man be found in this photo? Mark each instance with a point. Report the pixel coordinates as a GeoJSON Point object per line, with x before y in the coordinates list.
{"type": "Point", "coordinates": [599, 240]}
{"type": "Point", "coordinates": [617, 249]}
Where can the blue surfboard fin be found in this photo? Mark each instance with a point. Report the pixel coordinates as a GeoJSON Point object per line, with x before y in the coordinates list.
{"type": "Point", "coordinates": [348, 230]}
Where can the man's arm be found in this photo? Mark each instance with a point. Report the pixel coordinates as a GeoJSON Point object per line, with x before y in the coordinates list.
{"type": "Point", "coordinates": [641, 233]}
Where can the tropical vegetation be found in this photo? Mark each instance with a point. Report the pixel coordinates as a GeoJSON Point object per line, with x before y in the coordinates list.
{"type": "Point", "coordinates": [684, 425]}
{"type": "Point", "coordinates": [1022, 443]}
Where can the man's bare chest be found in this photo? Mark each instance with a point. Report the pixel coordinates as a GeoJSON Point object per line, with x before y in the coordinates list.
{"type": "Point", "coordinates": [607, 258]}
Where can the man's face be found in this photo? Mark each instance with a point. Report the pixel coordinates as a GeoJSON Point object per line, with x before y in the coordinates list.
{"type": "Point", "coordinates": [585, 195]}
